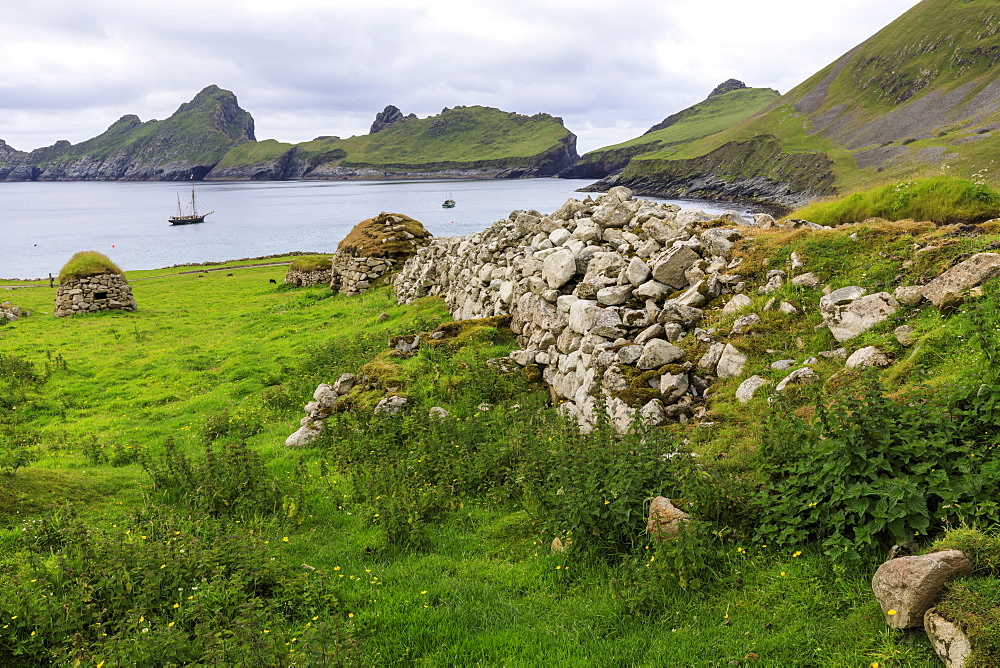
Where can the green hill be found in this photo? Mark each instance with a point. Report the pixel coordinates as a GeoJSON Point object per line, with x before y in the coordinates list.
{"type": "Point", "coordinates": [212, 137]}
{"type": "Point", "coordinates": [186, 144]}
{"type": "Point", "coordinates": [726, 106]}
{"type": "Point", "coordinates": [918, 98]}
{"type": "Point", "coordinates": [464, 141]}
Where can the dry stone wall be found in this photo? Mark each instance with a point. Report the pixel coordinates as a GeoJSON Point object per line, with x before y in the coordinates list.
{"type": "Point", "coordinates": [353, 275]}
{"type": "Point", "coordinates": [308, 278]}
{"type": "Point", "coordinates": [600, 292]}
{"type": "Point", "coordinates": [90, 294]}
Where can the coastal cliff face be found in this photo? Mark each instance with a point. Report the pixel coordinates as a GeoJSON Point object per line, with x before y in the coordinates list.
{"type": "Point", "coordinates": [211, 137]}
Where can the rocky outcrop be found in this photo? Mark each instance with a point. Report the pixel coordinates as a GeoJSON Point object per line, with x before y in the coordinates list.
{"type": "Point", "coordinates": [599, 292]}
{"type": "Point", "coordinates": [755, 171]}
{"type": "Point", "coordinates": [848, 312]}
{"type": "Point", "coordinates": [387, 117]}
{"type": "Point", "coordinates": [104, 292]}
{"type": "Point", "coordinates": [186, 145]}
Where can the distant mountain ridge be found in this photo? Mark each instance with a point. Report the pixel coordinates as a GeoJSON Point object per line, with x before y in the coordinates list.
{"type": "Point", "coordinates": [212, 137]}
{"type": "Point", "coordinates": [918, 98]}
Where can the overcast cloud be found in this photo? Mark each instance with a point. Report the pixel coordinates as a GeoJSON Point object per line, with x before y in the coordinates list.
{"type": "Point", "coordinates": [304, 68]}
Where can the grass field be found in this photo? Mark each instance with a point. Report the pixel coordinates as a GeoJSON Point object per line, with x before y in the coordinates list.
{"type": "Point", "coordinates": [153, 514]}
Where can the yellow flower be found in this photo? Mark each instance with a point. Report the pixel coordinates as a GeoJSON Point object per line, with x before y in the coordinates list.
{"type": "Point", "coordinates": [424, 592]}
{"type": "Point", "coordinates": [285, 539]}
{"type": "Point", "coordinates": [782, 573]}
{"type": "Point", "coordinates": [336, 568]}
{"type": "Point", "coordinates": [315, 618]}
{"type": "Point", "coordinates": [170, 624]}
{"type": "Point", "coordinates": [177, 605]}
{"type": "Point", "coordinates": [350, 614]}
{"type": "Point", "coordinates": [890, 612]}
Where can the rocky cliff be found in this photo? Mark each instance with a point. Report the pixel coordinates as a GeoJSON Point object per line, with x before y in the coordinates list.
{"type": "Point", "coordinates": [187, 144]}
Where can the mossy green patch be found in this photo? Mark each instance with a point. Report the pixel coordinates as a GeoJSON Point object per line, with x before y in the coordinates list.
{"type": "Point", "coordinates": [88, 263]}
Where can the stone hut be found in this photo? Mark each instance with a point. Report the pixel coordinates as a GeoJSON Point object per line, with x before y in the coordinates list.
{"type": "Point", "coordinates": [373, 248]}
{"type": "Point", "coordinates": [91, 282]}
{"type": "Point", "coordinates": [309, 270]}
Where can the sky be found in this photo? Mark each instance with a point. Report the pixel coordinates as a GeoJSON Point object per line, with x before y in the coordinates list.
{"type": "Point", "coordinates": [306, 68]}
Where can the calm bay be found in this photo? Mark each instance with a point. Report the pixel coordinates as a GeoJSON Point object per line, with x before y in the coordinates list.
{"type": "Point", "coordinates": [43, 224]}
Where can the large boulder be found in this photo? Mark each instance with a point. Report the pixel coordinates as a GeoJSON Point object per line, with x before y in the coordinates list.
{"type": "Point", "coordinates": [963, 276]}
{"type": "Point", "coordinates": [669, 266]}
{"type": "Point", "coordinates": [908, 587]}
{"type": "Point", "coordinates": [848, 312]}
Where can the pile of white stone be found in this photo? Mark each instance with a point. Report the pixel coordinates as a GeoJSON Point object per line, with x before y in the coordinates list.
{"type": "Point", "coordinates": [104, 292]}
{"type": "Point", "coordinates": [596, 289]}
{"type": "Point", "coordinates": [9, 312]}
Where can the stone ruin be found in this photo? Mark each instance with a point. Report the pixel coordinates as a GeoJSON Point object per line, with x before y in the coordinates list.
{"type": "Point", "coordinates": [9, 313]}
{"type": "Point", "coordinates": [306, 278]}
{"type": "Point", "coordinates": [89, 294]}
{"type": "Point", "coordinates": [373, 248]}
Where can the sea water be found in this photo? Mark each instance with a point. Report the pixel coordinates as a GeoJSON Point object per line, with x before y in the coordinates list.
{"type": "Point", "coordinates": [43, 224]}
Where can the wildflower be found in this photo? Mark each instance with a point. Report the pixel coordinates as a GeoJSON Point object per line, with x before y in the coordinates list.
{"type": "Point", "coordinates": [890, 612]}
{"type": "Point", "coordinates": [350, 614]}
{"type": "Point", "coordinates": [170, 624]}
{"type": "Point", "coordinates": [315, 618]}
{"type": "Point", "coordinates": [782, 573]}
{"type": "Point", "coordinates": [177, 605]}
{"type": "Point", "coordinates": [424, 592]}
{"type": "Point", "coordinates": [285, 539]}
{"type": "Point", "coordinates": [797, 553]}
{"type": "Point", "coordinates": [336, 568]}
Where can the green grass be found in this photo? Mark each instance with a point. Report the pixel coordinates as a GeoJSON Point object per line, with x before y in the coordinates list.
{"type": "Point", "coordinates": [942, 199]}
{"type": "Point", "coordinates": [311, 263]}
{"type": "Point", "coordinates": [705, 118]}
{"type": "Point", "coordinates": [88, 263]}
{"type": "Point", "coordinates": [429, 539]}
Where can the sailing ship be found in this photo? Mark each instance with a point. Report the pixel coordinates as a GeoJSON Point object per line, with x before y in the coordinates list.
{"type": "Point", "coordinates": [183, 218]}
{"type": "Point", "coordinates": [448, 203]}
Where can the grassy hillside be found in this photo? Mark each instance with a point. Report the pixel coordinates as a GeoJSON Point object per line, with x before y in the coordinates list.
{"type": "Point", "coordinates": [152, 510]}
{"type": "Point", "coordinates": [918, 98]}
{"type": "Point", "coordinates": [700, 120]}
{"type": "Point", "coordinates": [461, 135]}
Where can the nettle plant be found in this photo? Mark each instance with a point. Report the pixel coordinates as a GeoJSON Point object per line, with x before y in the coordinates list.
{"type": "Point", "coordinates": [868, 470]}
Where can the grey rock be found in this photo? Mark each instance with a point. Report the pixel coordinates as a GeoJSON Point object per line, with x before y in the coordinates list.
{"type": "Point", "coordinates": [963, 276]}
{"type": "Point", "coordinates": [558, 268]}
{"type": "Point", "coordinates": [869, 356]}
{"type": "Point", "coordinates": [637, 272]}
{"type": "Point", "coordinates": [910, 586]}
{"type": "Point", "coordinates": [673, 386]}
{"type": "Point", "coordinates": [848, 314]}
{"type": "Point", "coordinates": [731, 362]}
{"type": "Point", "coordinates": [438, 413]}
{"type": "Point", "coordinates": [808, 280]}
{"type": "Point", "coordinates": [657, 353]}
{"type": "Point", "coordinates": [653, 290]}
{"type": "Point", "coordinates": [744, 323]}
{"type": "Point", "coordinates": [305, 435]}
{"type": "Point", "coordinates": [345, 383]}
{"type": "Point", "coordinates": [909, 295]}
{"type": "Point", "coordinates": [652, 413]}
{"type": "Point", "coordinates": [737, 303]}
{"type": "Point", "coordinates": [710, 360]}
{"type": "Point", "coordinates": [782, 365]}
{"type": "Point", "coordinates": [391, 405]}
{"type": "Point", "coordinates": [748, 388]}
{"type": "Point", "coordinates": [719, 241]}
{"type": "Point", "coordinates": [948, 639]}
{"type": "Point", "coordinates": [803, 376]}
{"type": "Point", "coordinates": [903, 334]}
{"type": "Point", "coordinates": [669, 266]}
{"type": "Point", "coordinates": [614, 295]}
